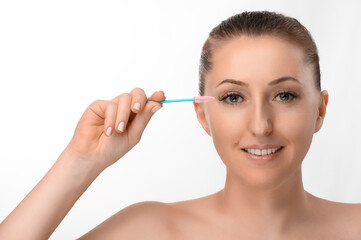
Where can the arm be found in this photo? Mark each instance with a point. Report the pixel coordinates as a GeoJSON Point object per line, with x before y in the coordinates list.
{"type": "Point", "coordinates": [42, 210]}
{"type": "Point", "coordinates": [92, 149]}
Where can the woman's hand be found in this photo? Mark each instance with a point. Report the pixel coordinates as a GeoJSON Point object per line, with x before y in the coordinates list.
{"type": "Point", "coordinates": [88, 153]}
{"type": "Point", "coordinates": [91, 141]}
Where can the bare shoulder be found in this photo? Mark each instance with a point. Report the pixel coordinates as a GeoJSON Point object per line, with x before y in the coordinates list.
{"type": "Point", "coordinates": [352, 218]}
{"type": "Point", "coordinates": [339, 216]}
{"type": "Point", "coordinates": [153, 220]}
{"type": "Point", "coordinates": [143, 220]}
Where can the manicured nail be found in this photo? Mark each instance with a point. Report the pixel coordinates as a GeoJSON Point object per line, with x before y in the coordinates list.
{"type": "Point", "coordinates": [121, 126]}
{"type": "Point", "coordinates": [109, 131]}
{"type": "Point", "coordinates": [156, 108]}
{"type": "Point", "coordinates": [136, 106]}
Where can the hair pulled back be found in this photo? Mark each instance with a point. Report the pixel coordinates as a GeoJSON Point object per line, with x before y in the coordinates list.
{"type": "Point", "coordinates": [258, 23]}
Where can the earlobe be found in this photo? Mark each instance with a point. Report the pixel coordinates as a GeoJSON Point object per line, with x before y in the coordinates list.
{"type": "Point", "coordinates": [321, 110]}
{"type": "Point", "coordinates": [201, 117]}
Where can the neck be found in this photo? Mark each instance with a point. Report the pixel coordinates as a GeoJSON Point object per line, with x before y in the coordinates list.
{"type": "Point", "coordinates": [275, 208]}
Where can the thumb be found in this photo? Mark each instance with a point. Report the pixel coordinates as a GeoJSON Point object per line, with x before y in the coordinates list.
{"type": "Point", "coordinates": [140, 121]}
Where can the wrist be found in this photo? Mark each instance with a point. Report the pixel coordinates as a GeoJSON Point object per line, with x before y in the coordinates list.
{"type": "Point", "coordinates": [80, 170]}
{"type": "Point", "coordinates": [50, 200]}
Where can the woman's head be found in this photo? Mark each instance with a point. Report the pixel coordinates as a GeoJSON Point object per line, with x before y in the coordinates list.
{"type": "Point", "coordinates": [257, 24]}
{"type": "Point", "coordinates": [266, 84]}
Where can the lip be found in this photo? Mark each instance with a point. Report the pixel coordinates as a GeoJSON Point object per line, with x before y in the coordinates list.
{"type": "Point", "coordinates": [263, 159]}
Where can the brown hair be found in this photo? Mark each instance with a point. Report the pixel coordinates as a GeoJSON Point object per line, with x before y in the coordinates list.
{"type": "Point", "coordinates": [257, 23]}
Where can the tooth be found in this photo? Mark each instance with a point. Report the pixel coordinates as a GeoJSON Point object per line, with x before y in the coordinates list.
{"type": "Point", "coordinates": [264, 151]}
{"type": "Point", "coordinates": [258, 152]}
{"type": "Point", "coordinates": [269, 151]}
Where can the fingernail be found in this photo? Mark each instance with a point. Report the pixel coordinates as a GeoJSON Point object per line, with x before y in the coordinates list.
{"type": "Point", "coordinates": [109, 131]}
{"type": "Point", "coordinates": [121, 126]}
{"type": "Point", "coordinates": [136, 106]}
{"type": "Point", "coordinates": [156, 108]}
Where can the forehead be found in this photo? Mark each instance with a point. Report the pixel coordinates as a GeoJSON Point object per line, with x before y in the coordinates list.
{"type": "Point", "coordinates": [256, 60]}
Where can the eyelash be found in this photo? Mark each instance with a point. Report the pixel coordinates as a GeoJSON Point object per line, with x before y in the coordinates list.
{"type": "Point", "coordinates": [223, 98]}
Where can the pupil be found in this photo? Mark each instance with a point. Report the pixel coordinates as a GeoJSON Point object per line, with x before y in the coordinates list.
{"type": "Point", "coordinates": [284, 96]}
{"type": "Point", "coordinates": [233, 98]}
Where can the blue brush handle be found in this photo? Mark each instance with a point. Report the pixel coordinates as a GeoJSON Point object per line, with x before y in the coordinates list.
{"type": "Point", "coordinates": [174, 100]}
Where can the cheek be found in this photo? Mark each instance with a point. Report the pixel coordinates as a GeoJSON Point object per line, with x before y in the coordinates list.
{"type": "Point", "coordinates": [227, 126]}
{"type": "Point", "coordinates": [297, 128]}
{"type": "Point", "coordinates": [224, 121]}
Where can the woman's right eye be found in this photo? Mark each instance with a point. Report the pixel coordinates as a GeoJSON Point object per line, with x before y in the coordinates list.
{"type": "Point", "coordinates": [232, 97]}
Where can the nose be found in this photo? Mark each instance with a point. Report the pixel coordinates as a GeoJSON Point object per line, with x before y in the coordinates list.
{"type": "Point", "coordinates": [260, 123]}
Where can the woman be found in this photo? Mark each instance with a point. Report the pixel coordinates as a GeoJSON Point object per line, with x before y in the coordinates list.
{"type": "Point", "coordinates": [263, 70]}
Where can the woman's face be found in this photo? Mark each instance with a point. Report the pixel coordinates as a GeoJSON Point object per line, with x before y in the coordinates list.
{"type": "Point", "coordinates": [258, 109]}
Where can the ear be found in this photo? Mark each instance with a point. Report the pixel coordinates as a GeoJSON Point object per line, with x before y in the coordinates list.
{"type": "Point", "coordinates": [198, 107]}
{"type": "Point", "coordinates": [321, 110]}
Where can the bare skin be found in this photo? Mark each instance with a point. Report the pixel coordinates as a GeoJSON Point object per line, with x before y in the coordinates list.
{"type": "Point", "coordinates": [204, 218]}
{"type": "Point", "coordinates": [207, 220]}
{"type": "Point", "coordinates": [259, 201]}
{"type": "Point", "coordinates": [97, 143]}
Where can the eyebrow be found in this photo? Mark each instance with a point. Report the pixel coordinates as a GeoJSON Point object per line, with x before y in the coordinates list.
{"type": "Point", "coordinates": [274, 82]}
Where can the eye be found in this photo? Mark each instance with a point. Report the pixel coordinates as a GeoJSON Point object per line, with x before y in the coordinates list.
{"type": "Point", "coordinates": [285, 96]}
{"type": "Point", "coordinates": [232, 97]}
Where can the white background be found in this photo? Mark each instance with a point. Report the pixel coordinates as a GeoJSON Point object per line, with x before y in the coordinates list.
{"type": "Point", "coordinates": [56, 57]}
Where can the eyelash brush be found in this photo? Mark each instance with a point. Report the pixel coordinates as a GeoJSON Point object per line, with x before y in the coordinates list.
{"type": "Point", "coordinates": [198, 99]}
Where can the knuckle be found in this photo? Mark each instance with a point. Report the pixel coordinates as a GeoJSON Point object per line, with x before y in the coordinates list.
{"type": "Point", "coordinates": [113, 104]}
{"type": "Point", "coordinates": [124, 95]}
{"type": "Point", "coordinates": [96, 103]}
{"type": "Point", "coordinates": [138, 93]}
{"type": "Point", "coordinates": [112, 108]}
{"type": "Point", "coordinates": [136, 89]}
{"type": "Point", "coordinates": [137, 138]}
{"type": "Point", "coordinates": [138, 96]}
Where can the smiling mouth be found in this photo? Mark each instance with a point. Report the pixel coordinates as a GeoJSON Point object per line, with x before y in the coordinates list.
{"type": "Point", "coordinates": [262, 152]}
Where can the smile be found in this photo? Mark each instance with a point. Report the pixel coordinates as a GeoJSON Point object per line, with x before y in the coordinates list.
{"type": "Point", "coordinates": [262, 152]}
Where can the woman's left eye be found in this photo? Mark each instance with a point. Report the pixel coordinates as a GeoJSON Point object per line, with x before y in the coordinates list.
{"type": "Point", "coordinates": [285, 96]}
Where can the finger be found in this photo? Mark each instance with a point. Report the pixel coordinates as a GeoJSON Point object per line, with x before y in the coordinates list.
{"type": "Point", "coordinates": [98, 113]}
{"type": "Point", "coordinates": [110, 117]}
{"type": "Point", "coordinates": [123, 112]}
{"type": "Point", "coordinates": [157, 96]}
{"type": "Point", "coordinates": [141, 120]}
{"type": "Point", "coordinates": [95, 112]}
{"type": "Point", "coordinates": [139, 99]}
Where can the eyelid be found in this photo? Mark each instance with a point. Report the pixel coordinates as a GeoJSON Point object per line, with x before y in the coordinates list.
{"type": "Point", "coordinates": [287, 91]}
{"type": "Point", "coordinates": [231, 93]}
{"type": "Point", "coordinates": [222, 97]}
